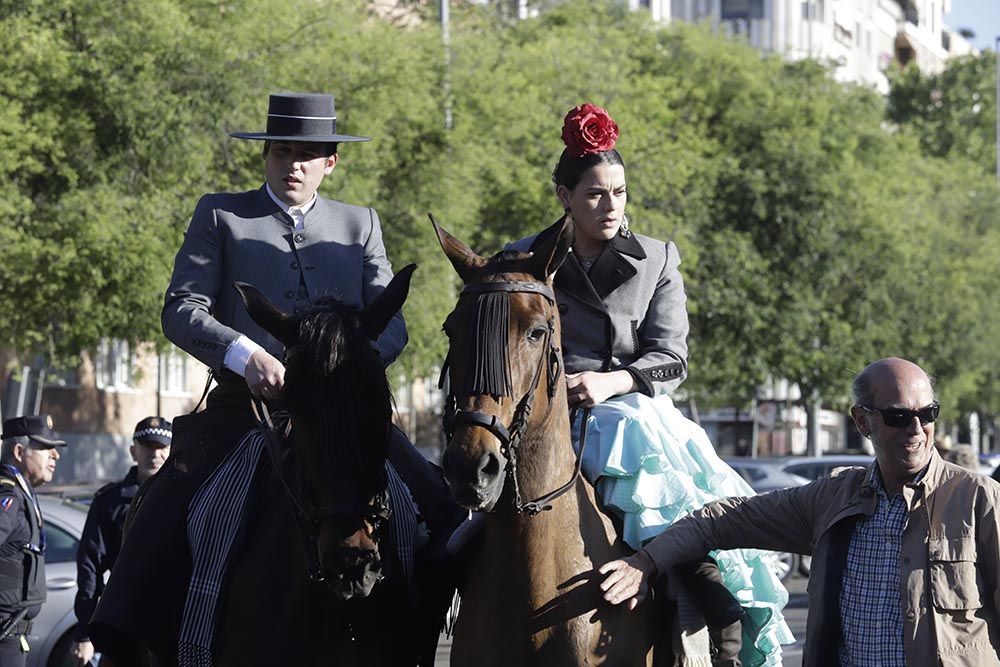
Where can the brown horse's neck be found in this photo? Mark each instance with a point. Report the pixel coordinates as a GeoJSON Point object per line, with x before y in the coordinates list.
{"type": "Point", "coordinates": [547, 461]}
{"type": "Point", "coordinates": [542, 569]}
{"type": "Point", "coordinates": [545, 457]}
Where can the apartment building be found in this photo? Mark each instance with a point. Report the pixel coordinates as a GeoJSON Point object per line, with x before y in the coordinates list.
{"type": "Point", "coordinates": [96, 405]}
{"type": "Point", "coordinates": [862, 37]}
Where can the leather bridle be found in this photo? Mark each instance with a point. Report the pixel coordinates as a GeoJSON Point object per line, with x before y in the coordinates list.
{"type": "Point", "coordinates": [309, 516]}
{"type": "Point", "coordinates": [510, 436]}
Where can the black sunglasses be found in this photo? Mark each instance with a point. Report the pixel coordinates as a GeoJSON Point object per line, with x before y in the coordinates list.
{"type": "Point", "coordinates": [900, 417]}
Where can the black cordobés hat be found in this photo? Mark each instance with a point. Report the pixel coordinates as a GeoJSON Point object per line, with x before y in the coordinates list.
{"type": "Point", "coordinates": [300, 117]}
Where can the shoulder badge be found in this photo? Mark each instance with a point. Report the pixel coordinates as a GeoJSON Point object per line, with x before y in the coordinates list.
{"type": "Point", "coordinates": [6, 502]}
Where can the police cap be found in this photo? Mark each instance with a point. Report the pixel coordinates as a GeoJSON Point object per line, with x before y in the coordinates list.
{"type": "Point", "coordinates": [153, 431]}
{"type": "Point", "coordinates": [38, 428]}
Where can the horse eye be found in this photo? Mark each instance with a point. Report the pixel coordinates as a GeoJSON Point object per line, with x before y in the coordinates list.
{"type": "Point", "coordinates": [536, 334]}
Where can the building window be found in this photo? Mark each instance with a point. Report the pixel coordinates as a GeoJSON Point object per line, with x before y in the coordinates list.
{"type": "Point", "coordinates": [735, 10]}
{"type": "Point", "coordinates": [813, 10]}
{"type": "Point", "coordinates": [114, 365]}
{"type": "Point", "coordinates": [65, 378]}
{"type": "Point", "coordinates": [173, 372]}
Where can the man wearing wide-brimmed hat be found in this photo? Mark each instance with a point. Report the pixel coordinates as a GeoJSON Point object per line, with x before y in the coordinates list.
{"type": "Point", "coordinates": [285, 240]}
{"type": "Point", "coordinates": [294, 246]}
{"type": "Point", "coordinates": [29, 449]}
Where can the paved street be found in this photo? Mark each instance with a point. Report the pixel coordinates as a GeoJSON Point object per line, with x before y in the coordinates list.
{"type": "Point", "coordinates": [795, 615]}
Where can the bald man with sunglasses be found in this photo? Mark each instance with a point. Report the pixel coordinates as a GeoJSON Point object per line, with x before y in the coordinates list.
{"type": "Point", "coordinates": [906, 553]}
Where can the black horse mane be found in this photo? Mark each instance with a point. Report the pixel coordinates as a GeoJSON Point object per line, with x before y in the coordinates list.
{"type": "Point", "coordinates": [336, 387]}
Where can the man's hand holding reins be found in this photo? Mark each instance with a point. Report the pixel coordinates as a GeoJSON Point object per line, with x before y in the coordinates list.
{"type": "Point", "coordinates": [83, 653]}
{"type": "Point", "coordinates": [265, 375]}
{"type": "Point", "coordinates": [628, 579]}
{"type": "Point", "coordinates": [589, 388]}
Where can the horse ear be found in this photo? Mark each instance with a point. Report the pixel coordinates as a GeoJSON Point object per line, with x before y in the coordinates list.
{"type": "Point", "coordinates": [462, 257]}
{"type": "Point", "coordinates": [376, 316]}
{"type": "Point", "coordinates": [552, 249]}
{"type": "Point", "coordinates": [279, 324]}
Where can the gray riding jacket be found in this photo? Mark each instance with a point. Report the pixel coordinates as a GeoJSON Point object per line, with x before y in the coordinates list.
{"type": "Point", "coordinates": [628, 313]}
{"type": "Point", "coordinates": [247, 237]}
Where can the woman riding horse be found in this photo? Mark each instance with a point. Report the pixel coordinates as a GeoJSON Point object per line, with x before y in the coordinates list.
{"type": "Point", "coordinates": [623, 310]}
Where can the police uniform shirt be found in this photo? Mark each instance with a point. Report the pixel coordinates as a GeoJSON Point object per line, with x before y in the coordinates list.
{"type": "Point", "coordinates": [17, 512]}
{"type": "Point", "coordinates": [100, 545]}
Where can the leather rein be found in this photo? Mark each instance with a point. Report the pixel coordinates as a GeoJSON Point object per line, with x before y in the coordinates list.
{"type": "Point", "coordinates": [510, 436]}
{"type": "Point", "coordinates": [307, 515]}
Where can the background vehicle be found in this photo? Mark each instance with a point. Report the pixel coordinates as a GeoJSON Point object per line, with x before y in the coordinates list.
{"type": "Point", "coordinates": [51, 637]}
{"type": "Point", "coordinates": [765, 475]}
{"type": "Point", "coordinates": [814, 467]}
{"type": "Point", "coordinates": [769, 474]}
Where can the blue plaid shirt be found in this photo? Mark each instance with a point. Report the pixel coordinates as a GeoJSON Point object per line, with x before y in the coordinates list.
{"type": "Point", "coordinates": [871, 613]}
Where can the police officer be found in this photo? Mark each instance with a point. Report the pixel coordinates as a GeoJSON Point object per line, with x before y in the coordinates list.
{"type": "Point", "coordinates": [28, 458]}
{"type": "Point", "coordinates": [102, 534]}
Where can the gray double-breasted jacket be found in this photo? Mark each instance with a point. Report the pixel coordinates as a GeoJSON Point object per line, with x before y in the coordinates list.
{"type": "Point", "coordinates": [247, 237]}
{"type": "Point", "coordinates": [628, 313]}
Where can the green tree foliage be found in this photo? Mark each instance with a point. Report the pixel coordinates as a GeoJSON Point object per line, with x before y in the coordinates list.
{"type": "Point", "coordinates": [952, 114]}
{"type": "Point", "coordinates": [815, 236]}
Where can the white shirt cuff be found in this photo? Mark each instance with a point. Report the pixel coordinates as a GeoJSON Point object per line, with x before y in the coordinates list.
{"type": "Point", "coordinates": [239, 353]}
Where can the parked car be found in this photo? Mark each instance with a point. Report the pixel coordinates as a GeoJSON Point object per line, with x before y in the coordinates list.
{"type": "Point", "coordinates": [814, 467]}
{"type": "Point", "coordinates": [765, 475]}
{"type": "Point", "coordinates": [989, 462]}
{"type": "Point", "coordinates": [51, 637]}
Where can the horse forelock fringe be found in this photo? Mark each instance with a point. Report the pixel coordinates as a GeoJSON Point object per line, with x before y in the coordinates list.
{"type": "Point", "coordinates": [340, 389]}
{"type": "Point", "coordinates": [490, 368]}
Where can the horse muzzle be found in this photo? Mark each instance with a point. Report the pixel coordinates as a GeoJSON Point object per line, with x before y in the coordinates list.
{"type": "Point", "coordinates": [355, 580]}
{"type": "Point", "coordinates": [475, 482]}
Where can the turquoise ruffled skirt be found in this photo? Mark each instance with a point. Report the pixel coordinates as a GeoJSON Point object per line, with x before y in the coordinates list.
{"type": "Point", "coordinates": [652, 465]}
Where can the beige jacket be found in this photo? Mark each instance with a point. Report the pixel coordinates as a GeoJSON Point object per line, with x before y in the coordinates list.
{"type": "Point", "coordinates": [949, 558]}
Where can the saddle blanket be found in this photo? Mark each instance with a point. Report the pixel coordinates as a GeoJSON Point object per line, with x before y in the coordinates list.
{"type": "Point", "coordinates": [215, 516]}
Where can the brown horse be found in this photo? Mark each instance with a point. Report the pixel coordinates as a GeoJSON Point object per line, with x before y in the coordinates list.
{"type": "Point", "coordinates": [320, 604]}
{"type": "Point", "coordinates": [532, 596]}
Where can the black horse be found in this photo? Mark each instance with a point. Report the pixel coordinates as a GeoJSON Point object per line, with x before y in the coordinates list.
{"type": "Point", "coordinates": [306, 582]}
{"type": "Point", "coordinates": [340, 409]}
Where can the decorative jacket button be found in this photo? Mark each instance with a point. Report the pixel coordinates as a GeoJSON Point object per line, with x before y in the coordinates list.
{"type": "Point", "coordinates": [295, 265]}
{"type": "Point", "coordinates": [910, 615]}
{"type": "Point", "coordinates": [563, 308]}
{"type": "Point", "coordinates": [289, 294]}
{"type": "Point", "coordinates": [299, 238]}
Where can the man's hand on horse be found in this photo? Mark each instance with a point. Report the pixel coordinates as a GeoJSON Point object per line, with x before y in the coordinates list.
{"type": "Point", "coordinates": [628, 579]}
{"type": "Point", "coordinates": [265, 375]}
{"type": "Point", "coordinates": [589, 388]}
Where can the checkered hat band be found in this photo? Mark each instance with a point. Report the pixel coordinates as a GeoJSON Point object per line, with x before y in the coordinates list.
{"type": "Point", "coordinates": [166, 433]}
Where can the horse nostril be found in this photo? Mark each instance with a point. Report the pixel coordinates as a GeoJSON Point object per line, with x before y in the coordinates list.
{"type": "Point", "coordinates": [489, 466]}
{"type": "Point", "coordinates": [478, 472]}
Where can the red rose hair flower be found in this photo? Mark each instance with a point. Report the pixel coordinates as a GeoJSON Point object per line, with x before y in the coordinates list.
{"type": "Point", "coordinates": [588, 129]}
